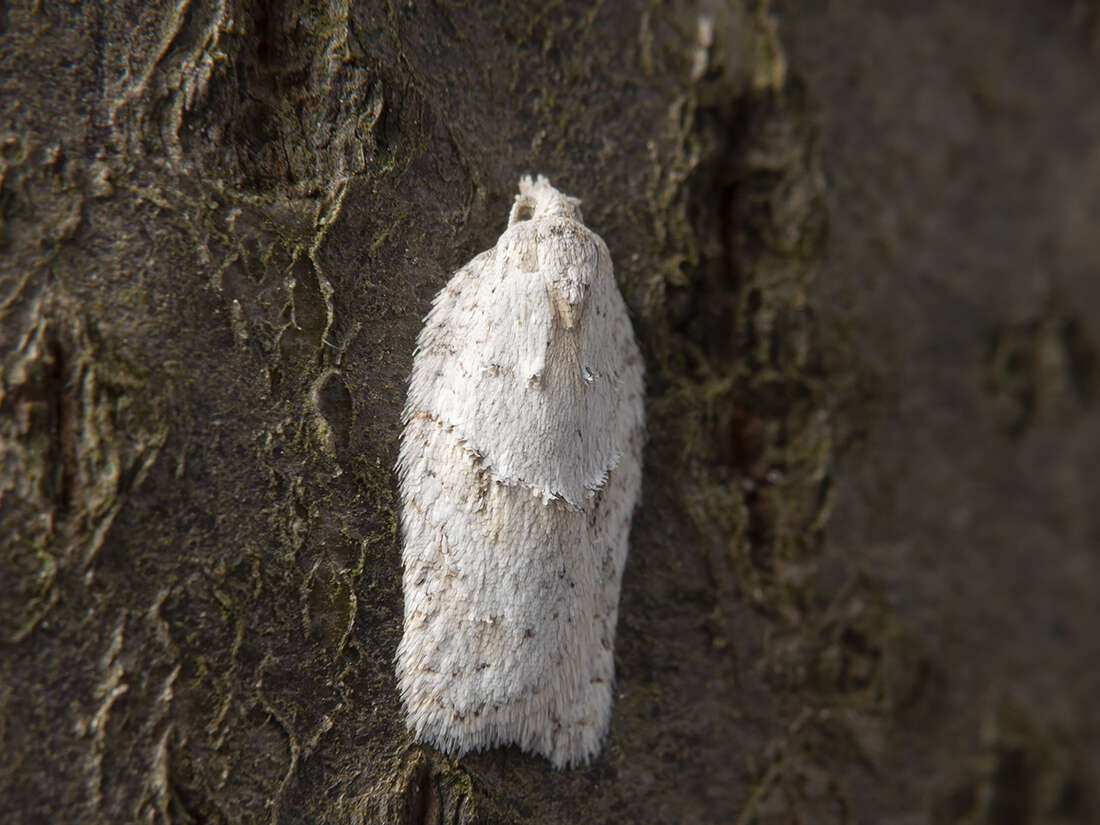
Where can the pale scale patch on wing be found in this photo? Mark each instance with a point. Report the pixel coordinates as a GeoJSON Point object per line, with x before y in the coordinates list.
{"type": "Point", "coordinates": [564, 421]}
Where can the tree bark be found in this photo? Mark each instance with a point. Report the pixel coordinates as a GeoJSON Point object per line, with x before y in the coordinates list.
{"type": "Point", "coordinates": [859, 245]}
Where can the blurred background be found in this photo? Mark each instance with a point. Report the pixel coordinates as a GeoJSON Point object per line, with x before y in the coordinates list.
{"type": "Point", "coordinates": [859, 242]}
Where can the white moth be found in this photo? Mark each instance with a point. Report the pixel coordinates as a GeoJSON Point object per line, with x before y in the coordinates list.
{"type": "Point", "coordinates": [520, 466]}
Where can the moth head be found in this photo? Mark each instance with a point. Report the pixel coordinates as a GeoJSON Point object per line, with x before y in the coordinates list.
{"type": "Point", "coordinates": [538, 199]}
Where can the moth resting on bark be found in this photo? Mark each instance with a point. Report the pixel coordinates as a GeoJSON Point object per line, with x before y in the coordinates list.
{"type": "Point", "coordinates": [519, 467]}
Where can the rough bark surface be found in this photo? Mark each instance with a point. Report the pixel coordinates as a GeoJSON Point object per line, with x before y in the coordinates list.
{"type": "Point", "coordinates": [859, 242]}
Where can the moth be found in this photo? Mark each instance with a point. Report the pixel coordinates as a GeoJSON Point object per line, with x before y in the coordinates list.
{"type": "Point", "coordinates": [520, 465]}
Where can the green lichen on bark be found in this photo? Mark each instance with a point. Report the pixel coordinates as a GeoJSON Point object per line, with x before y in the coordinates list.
{"type": "Point", "coordinates": [753, 394]}
{"type": "Point", "coordinates": [78, 432]}
{"type": "Point", "coordinates": [1014, 770]}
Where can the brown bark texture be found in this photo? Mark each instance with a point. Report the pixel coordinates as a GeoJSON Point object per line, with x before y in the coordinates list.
{"type": "Point", "coordinates": [859, 242]}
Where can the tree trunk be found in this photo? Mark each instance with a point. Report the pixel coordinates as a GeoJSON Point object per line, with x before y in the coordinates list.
{"type": "Point", "coordinates": [863, 575]}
